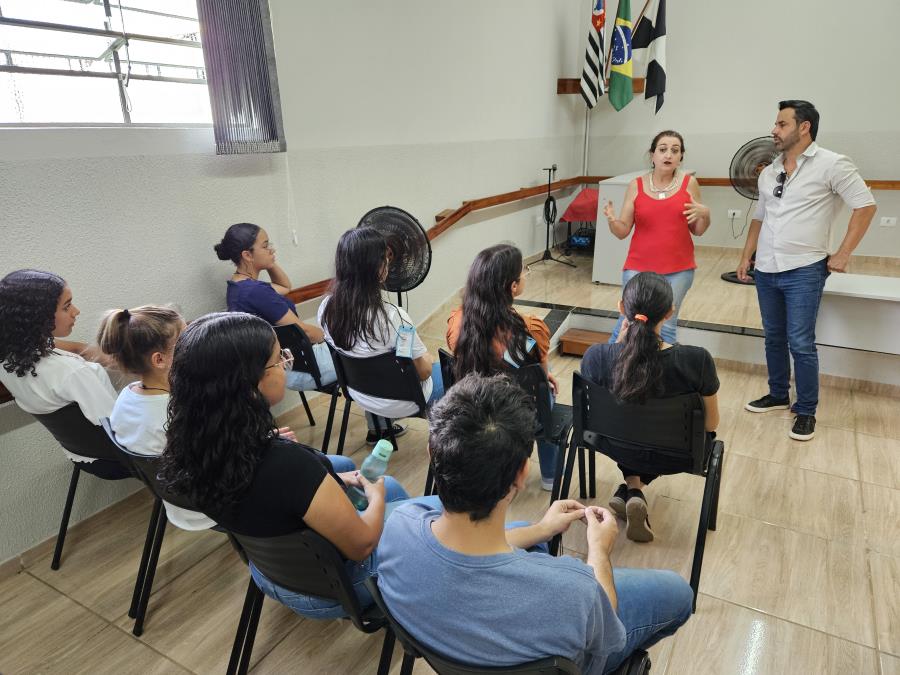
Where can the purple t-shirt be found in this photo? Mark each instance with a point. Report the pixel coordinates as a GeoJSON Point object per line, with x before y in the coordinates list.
{"type": "Point", "coordinates": [257, 297]}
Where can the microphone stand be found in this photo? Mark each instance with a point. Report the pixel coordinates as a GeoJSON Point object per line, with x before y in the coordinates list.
{"type": "Point", "coordinates": [550, 219]}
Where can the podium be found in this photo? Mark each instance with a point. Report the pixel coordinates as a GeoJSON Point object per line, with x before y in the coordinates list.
{"type": "Point", "coordinates": [609, 252]}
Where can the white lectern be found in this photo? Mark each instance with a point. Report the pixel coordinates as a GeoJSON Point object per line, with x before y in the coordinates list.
{"type": "Point", "coordinates": [609, 252]}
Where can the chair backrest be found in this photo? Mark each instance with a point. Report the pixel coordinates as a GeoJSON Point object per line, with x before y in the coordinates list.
{"type": "Point", "coordinates": [72, 430]}
{"type": "Point", "coordinates": [293, 338]}
{"type": "Point", "coordinates": [146, 467]}
{"type": "Point", "coordinates": [448, 364]}
{"type": "Point", "coordinates": [305, 562]}
{"type": "Point", "coordinates": [673, 426]}
{"type": "Point", "coordinates": [533, 380]}
{"type": "Point", "coordinates": [385, 376]}
{"type": "Point", "coordinates": [554, 665]}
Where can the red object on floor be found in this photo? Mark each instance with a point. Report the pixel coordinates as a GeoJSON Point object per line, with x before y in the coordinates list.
{"type": "Point", "coordinates": [583, 208]}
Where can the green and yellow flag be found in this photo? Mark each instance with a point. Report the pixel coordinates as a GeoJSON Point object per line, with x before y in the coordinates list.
{"type": "Point", "coordinates": [620, 91]}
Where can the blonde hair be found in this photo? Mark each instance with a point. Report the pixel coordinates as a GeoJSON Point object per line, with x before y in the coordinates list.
{"type": "Point", "coordinates": [131, 336]}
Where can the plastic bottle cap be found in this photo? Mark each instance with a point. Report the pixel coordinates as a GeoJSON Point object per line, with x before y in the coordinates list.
{"type": "Point", "coordinates": [383, 449]}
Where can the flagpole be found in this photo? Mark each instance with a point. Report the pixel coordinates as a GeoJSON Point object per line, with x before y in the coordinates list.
{"type": "Point", "coordinates": [587, 141]}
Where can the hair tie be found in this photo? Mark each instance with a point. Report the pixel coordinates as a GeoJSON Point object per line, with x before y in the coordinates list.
{"type": "Point", "coordinates": [640, 317]}
{"type": "Point", "coordinates": [126, 315]}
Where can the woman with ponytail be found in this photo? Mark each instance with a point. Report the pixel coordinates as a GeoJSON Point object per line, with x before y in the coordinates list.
{"type": "Point", "coordinates": [641, 366]}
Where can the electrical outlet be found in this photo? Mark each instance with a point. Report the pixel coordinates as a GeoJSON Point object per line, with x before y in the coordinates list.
{"type": "Point", "coordinates": [889, 221]}
{"type": "Point", "coordinates": [734, 213]}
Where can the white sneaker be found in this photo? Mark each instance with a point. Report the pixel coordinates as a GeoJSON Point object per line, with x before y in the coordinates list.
{"type": "Point", "coordinates": [546, 484]}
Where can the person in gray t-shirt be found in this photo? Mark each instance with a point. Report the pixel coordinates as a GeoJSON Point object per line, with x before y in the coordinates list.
{"type": "Point", "coordinates": [459, 580]}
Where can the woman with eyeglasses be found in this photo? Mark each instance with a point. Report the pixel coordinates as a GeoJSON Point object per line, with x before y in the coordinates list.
{"type": "Point", "coordinates": [488, 335]}
{"type": "Point", "coordinates": [224, 454]}
{"type": "Point", "coordinates": [360, 323]}
{"type": "Point", "coordinates": [43, 371]}
{"type": "Point", "coordinates": [249, 248]}
{"type": "Point", "coordinates": [663, 207]}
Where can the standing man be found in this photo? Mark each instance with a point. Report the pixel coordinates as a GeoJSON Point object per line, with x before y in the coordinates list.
{"type": "Point", "coordinates": [798, 198]}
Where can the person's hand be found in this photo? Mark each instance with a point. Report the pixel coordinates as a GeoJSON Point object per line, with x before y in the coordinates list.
{"type": "Point", "coordinates": [350, 478]}
{"type": "Point", "coordinates": [743, 270]}
{"type": "Point", "coordinates": [623, 329]}
{"type": "Point", "coordinates": [838, 262]}
{"type": "Point", "coordinates": [561, 514]}
{"type": "Point", "coordinates": [314, 333]}
{"type": "Point", "coordinates": [287, 432]}
{"type": "Point", "coordinates": [371, 489]}
{"type": "Point", "coordinates": [601, 528]}
{"type": "Point", "coordinates": [695, 210]}
{"type": "Point", "coordinates": [608, 211]}
{"type": "Point", "coordinates": [554, 385]}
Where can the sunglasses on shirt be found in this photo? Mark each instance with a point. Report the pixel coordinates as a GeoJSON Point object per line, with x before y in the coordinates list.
{"type": "Point", "coordinates": [779, 189]}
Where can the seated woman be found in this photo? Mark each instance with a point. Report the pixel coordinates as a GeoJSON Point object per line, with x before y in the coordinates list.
{"type": "Point", "coordinates": [249, 248]}
{"type": "Point", "coordinates": [358, 322]}
{"type": "Point", "coordinates": [641, 366]}
{"type": "Point", "coordinates": [43, 372]}
{"type": "Point", "coordinates": [487, 335]}
{"type": "Point", "coordinates": [224, 454]}
{"type": "Point", "coordinates": [141, 341]}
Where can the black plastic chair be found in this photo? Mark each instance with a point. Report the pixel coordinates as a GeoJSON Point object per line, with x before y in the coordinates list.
{"type": "Point", "coordinates": [293, 338]}
{"type": "Point", "coordinates": [146, 468]}
{"type": "Point", "coordinates": [303, 562]}
{"type": "Point", "coordinates": [637, 664]}
{"type": "Point", "coordinates": [72, 430]}
{"type": "Point", "coordinates": [673, 428]}
{"type": "Point", "coordinates": [385, 376]}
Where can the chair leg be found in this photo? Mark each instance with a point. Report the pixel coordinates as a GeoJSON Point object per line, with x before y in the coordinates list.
{"type": "Point", "coordinates": [149, 573]}
{"type": "Point", "coordinates": [714, 511]}
{"type": "Point", "coordinates": [582, 474]}
{"type": "Point", "coordinates": [330, 423]}
{"type": "Point", "coordinates": [309, 415]}
{"type": "Point", "coordinates": [390, 430]}
{"type": "Point", "coordinates": [556, 541]}
{"type": "Point", "coordinates": [387, 651]}
{"type": "Point", "coordinates": [246, 630]}
{"type": "Point", "coordinates": [406, 667]}
{"type": "Point", "coordinates": [252, 625]}
{"type": "Point", "coordinates": [67, 512]}
{"type": "Point", "coordinates": [145, 556]}
{"type": "Point", "coordinates": [703, 526]}
{"type": "Point", "coordinates": [592, 472]}
{"type": "Point", "coordinates": [429, 482]}
{"type": "Point", "coordinates": [344, 420]}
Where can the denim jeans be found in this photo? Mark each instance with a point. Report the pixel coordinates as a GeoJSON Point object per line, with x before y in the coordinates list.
{"type": "Point", "coordinates": [680, 283]}
{"type": "Point", "coordinates": [299, 381]}
{"type": "Point", "coordinates": [653, 604]}
{"type": "Point", "coordinates": [789, 304]}
{"type": "Point", "coordinates": [324, 608]}
{"type": "Point", "coordinates": [437, 391]}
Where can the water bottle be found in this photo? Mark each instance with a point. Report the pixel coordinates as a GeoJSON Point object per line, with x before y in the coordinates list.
{"type": "Point", "coordinates": [373, 468]}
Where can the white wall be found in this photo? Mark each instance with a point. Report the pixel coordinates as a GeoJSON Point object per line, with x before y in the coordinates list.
{"type": "Point", "coordinates": [729, 63]}
{"type": "Point", "coordinates": [419, 105]}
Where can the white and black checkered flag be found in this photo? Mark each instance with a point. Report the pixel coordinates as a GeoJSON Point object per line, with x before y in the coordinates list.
{"type": "Point", "coordinates": [592, 75]}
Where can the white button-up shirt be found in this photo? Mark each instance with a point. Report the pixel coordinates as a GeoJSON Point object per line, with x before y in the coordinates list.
{"type": "Point", "coordinates": [796, 227]}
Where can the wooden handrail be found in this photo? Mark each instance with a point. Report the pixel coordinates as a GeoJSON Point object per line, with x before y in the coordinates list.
{"type": "Point", "coordinates": [447, 218]}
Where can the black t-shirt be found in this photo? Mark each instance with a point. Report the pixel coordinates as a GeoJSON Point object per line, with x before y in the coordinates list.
{"type": "Point", "coordinates": [686, 369]}
{"type": "Point", "coordinates": [286, 480]}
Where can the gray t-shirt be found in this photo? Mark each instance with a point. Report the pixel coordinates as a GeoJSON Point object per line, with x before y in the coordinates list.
{"type": "Point", "coordinates": [497, 610]}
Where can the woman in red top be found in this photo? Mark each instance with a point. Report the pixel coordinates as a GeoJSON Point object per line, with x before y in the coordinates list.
{"type": "Point", "coordinates": [664, 209]}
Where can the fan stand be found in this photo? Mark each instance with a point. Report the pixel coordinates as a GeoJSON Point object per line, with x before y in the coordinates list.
{"type": "Point", "coordinates": [732, 278]}
{"type": "Point", "coordinates": [549, 220]}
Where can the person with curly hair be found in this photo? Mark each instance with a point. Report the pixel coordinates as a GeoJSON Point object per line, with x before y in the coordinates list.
{"type": "Point", "coordinates": [41, 370]}
{"type": "Point", "coordinates": [224, 454]}
{"type": "Point", "coordinates": [487, 335]}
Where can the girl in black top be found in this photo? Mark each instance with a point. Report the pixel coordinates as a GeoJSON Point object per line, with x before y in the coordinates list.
{"type": "Point", "coordinates": [640, 365]}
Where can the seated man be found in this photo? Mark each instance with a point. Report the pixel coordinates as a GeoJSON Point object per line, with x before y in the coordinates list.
{"type": "Point", "coordinates": [460, 582]}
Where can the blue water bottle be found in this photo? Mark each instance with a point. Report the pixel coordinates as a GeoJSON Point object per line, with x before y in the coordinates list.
{"type": "Point", "coordinates": [373, 468]}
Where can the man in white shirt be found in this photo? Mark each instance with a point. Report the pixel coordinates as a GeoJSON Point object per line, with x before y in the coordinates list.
{"type": "Point", "coordinates": [798, 197]}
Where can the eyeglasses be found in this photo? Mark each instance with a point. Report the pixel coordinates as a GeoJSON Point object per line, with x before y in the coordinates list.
{"type": "Point", "coordinates": [286, 362]}
{"type": "Point", "coordinates": [779, 189]}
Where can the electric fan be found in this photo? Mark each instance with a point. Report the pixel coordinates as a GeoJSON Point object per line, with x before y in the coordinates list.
{"type": "Point", "coordinates": [746, 165]}
{"type": "Point", "coordinates": [408, 244]}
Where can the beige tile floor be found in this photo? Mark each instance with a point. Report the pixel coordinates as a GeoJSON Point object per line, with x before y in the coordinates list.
{"type": "Point", "coordinates": [802, 576]}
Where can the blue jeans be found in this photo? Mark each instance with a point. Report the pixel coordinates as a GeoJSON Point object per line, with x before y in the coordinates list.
{"type": "Point", "coordinates": [789, 304]}
{"type": "Point", "coordinates": [315, 607]}
{"type": "Point", "coordinates": [653, 604]}
{"type": "Point", "coordinates": [437, 391]}
{"type": "Point", "coordinates": [299, 381]}
{"type": "Point", "coordinates": [680, 283]}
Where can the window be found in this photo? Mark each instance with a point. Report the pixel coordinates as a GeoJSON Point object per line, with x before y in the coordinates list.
{"type": "Point", "coordinates": [101, 62]}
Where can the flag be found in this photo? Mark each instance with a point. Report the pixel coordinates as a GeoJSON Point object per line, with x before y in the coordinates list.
{"type": "Point", "coordinates": [620, 92]}
{"type": "Point", "coordinates": [592, 75]}
{"type": "Point", "coordinates": [649, 44]}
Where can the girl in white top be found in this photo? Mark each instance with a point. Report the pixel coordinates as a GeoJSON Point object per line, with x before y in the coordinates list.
{"type": "Point", "coordinates": [142, 341]}
{"type": "Point", "coordinates": [43, 372]}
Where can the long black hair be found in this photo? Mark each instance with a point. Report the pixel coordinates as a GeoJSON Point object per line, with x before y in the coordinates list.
{"type": "Point", "coordinates": [219, 423]}
{"type": "Point", "coordinates": [238, 238]}
{"type": "Point", "coordinates": [28, 300]}
{"type": "Point", "coordinates": [637, 374]}
{"type": "Point", "coordinates": [355, 303]}
{"type": "Point", "coordinates": [488, 314]}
